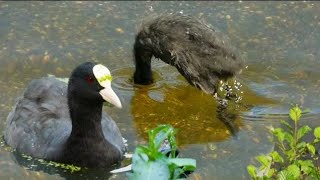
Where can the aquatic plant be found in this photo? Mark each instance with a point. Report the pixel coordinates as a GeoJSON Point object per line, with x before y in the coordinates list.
{"type": "Point", "coordinates": [69, 167]}
{"type": "Point", "coordinates": [155, 161]}
{"type": "Point", "coordinates": [295, 158]}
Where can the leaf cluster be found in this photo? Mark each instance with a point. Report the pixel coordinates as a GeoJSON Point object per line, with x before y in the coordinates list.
{"type": "Point", "coordinates": [155, 162]}
{"type": "Point", "coordinates": [296, 158]}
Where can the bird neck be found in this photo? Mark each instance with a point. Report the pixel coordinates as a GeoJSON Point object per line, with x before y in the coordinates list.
{"type": "Point", "coordinates": [86, 119]}
{"type": "Point", "coordinates": [86, 145]}
{"type": "Point", "coordinates": [143, 73]}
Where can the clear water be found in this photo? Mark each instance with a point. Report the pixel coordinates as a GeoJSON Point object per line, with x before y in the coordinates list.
{"type": "Point", "coordinates": [279, 40]}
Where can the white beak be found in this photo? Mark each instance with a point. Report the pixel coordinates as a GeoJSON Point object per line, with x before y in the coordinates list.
{"type": "Point", "coordinates": [104, 78]}
{"type": "Point", "coordinates": [110, 96]}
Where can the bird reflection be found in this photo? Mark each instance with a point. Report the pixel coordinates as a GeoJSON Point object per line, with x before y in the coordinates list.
{"type": "Point", "coordinates": [198, 117]}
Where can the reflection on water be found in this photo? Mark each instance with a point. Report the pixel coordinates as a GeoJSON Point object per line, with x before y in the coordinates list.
{"type": "Point", "coordinates": [194, 114]}
{"type": "Point", "coordinates": [279, 40]}
{"type": "Point", "coordinates": [198, 116]}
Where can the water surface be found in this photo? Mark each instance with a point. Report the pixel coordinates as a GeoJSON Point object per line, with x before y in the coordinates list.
{"type": "Point", "coordinates": [279, 40]}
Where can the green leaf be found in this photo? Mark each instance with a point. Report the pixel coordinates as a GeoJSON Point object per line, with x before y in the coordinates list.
{"type": "Point", "coordinates": [173, 143]}
{"type": "Point", "coordinates": [278, 132]}
{"type": "Point", "coordinates": [141, 150]}
{"type": "Point", "coordinates": [276, 157]}
{"type": "Point", "coordinates": [271, 172]}
{"type": "Point", "coordinates": [306, 169]}
{"type": "Point", "coordinates": [176, 173]}
{"type": "Point", "coordinates": [178, 166]}
{"type": "Point", "coordinates": [183, 162]}
{"type": "Point", "coordinates": [317, 132]}
{"type": "Point", "coordinates": [264, 160]}
{"type": "Point", "coordinates": [142, 168]}
{"type": "Point", "coordinates": [287, 125]}
{"type": "Point", "coordinates": [294, 170]}
{"type": "Point", "coordinates": [306, 166]}
{"type": "Point", "coordinates": [252, 171]}
{"type": "Point", "coordinates": [305, 163]}
{"type": "Point", "coordinates": [149, 163]}
{"type": "Point", "coordinates": [157, 137]}
{"type": "Point", "coordinates": [159, 134]}
{"type": "Point", "coordinates": [142, 157]}
{"type": "Point", "coordinates": [301, 145]}
{"type": "Point", "coordinates": [295, 113]}
{"type": "Point", "coordinates": [284, 175]}
{"type": "Point", "coordinates": [311, 148]}
{"type": "Point", "coordinates": [289, 138]}
{"type": "Point", "coordinates": [149, 171]}
{"type": "Point", "coordinates": [303, 131]}
{"type": "Point", "coordinates": [291, 154]}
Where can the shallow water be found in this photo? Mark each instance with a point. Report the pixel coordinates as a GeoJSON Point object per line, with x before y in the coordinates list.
{"type": "Point", "coordinates": [279, 40]}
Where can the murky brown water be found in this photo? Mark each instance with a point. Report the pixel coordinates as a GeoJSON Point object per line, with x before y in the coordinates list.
{"type": "Point", "coordinates": [279, 40]}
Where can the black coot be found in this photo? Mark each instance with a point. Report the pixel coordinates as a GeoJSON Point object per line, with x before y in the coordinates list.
{"type": "Point", "coordinates": [202, 55]}
{"type": "Point", "coordinates": [66, 124]}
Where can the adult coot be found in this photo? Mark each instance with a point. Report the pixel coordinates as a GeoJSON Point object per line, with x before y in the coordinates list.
{"type": "Point", "coordinates": [201, 54]}
{"type": "Point", "coordinates": [66, 124]}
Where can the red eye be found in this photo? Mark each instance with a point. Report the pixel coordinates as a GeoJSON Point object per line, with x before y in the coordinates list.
{"type": "Point", "coordinates": [89, 79]}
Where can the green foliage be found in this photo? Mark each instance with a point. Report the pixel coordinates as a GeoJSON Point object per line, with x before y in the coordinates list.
{"type": "Point", "coordinates": [149, 163]}
{"type": "Point", "coordinates": [295, 113]}
{"type": "Point", "coordinates": [296, 158]}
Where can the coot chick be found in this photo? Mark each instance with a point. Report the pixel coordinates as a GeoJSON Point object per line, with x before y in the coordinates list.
{"type": "Point", "coordinates": [66, 124]}
{"type": "Point", "coordinates": [201, 54]}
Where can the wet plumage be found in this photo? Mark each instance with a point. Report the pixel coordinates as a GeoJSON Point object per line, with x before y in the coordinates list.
{"type": "Point", "coordinates": [201, 54]}
{"type": "Point", "coordinates": [40, 124]}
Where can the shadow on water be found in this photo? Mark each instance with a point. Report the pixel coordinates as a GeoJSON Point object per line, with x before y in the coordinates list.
{"type": "Point", "coordinates": [198, 117]}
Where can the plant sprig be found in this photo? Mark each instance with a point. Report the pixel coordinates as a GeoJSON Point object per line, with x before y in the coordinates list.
{"type": "Point", "coordinates": [296, 158]}
{"type": "Point", "coordinates": [153, 162]}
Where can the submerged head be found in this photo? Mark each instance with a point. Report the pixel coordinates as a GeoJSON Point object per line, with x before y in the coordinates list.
{"type": "Point", "coordinates": [201, 54]}
{"type": "Point", "coordinates": [91, 83]}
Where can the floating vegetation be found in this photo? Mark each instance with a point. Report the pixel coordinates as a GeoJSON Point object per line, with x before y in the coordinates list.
{"type": "Point", "coordinates": [66, 80]}
{"type": "Point", "coordinates": [4, 146]}
{"type": "Point", "coordinates": [71, 168]}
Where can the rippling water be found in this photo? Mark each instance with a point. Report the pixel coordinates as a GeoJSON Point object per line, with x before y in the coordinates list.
{"type": "Point", "coordinates": [279, 40]}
